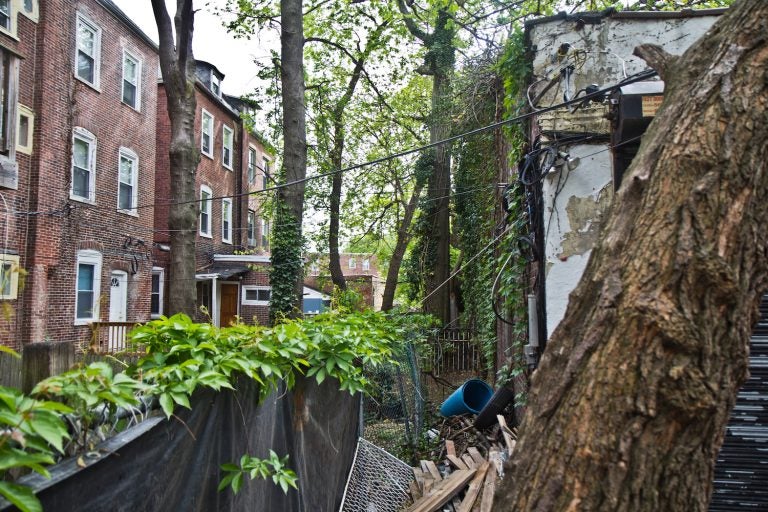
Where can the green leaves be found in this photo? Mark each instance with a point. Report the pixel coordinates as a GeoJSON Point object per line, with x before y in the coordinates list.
{"type": "Point", "coordinates": [21, 496]}
{"type": "Point", "coordinates": [274, 467]}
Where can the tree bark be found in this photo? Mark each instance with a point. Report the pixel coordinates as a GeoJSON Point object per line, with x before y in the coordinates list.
{"type": "Point", "coordinates": [628, 408]}
{"type": "Point", "coordinates": [177, 65]}
{"type": "Point", "coordinates": [287, 276]}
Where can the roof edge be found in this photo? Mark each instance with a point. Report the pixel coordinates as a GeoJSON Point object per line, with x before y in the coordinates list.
{"type": "Point", "coordinates": [595, 17]}
{"type": "Point", "coordinates": [110, 6]}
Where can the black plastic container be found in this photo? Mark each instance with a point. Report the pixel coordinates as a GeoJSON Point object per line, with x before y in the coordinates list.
{"type": "Point", "coordinates": [495, 405]}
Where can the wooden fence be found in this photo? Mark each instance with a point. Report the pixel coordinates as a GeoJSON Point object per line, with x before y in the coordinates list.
{"type": "Point", "coordinates": [10, 370]}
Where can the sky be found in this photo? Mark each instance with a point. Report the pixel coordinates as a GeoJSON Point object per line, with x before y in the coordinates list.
{"type": "Point", "coordinates": [211, 42]}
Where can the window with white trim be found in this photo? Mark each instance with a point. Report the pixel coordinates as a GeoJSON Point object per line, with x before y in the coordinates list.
{"type": "Point", "coordinates": [206, 134]}
{"type": "Point", "coordinates": [366, 265]}
{"type": "Point", "coordinates": [265, 234]}
{"type": "Point", "coordinates": [314, 268]}
{"type": "Point", "coordinates": [83, 166]}
{"type": "Point", "coordinates": [205, 211]}
{"type": "Point", "coordinates": [266, 175]}
{"type": "Point", "coordinates": [156, 295]}
{"type": "Point", "coordinates": [87, 286]}
{"type": "Point", "coordinates": [215, 84]}
{"type": "Point", "coordinates": [9, 276]}
{"type": "Point", "coordinates": [88, 53]}
{"type": "Point", "coordinates": [226, 220]}
{"type": "Point", "coordinates": [352, 263]}
{"type": "Point", "coordinates": [251, 165]}
{"type": "Point", "coordinates": [256, 295]}
{"type": "Point", "coordinates": [226, 146]}
{"type": "Point", "coordinates": [128, 174]}
{"type": "Point", "coordinates": [131, 80]}
{"type": "Point", "coordinates": [9, 95]}
{"type": "Point", "coordinates": [5, 14]}
{"type": "Point", "coordinates": [25, 129]}
{"type": "Point", "coordinates": [251, 228]}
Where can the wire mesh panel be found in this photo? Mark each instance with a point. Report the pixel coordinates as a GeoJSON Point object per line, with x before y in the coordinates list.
{"type": "Point", "coordinates": [378, 481]}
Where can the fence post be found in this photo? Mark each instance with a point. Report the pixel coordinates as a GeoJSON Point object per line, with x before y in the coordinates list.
{"type": "Point", "coordinates": [41, 360]}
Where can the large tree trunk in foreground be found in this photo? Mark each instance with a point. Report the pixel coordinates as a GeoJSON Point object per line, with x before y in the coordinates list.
{"type": "Point", "coordinates": [628, 408]}
{"type": "Point", "coordinates": [177, 65]}
{"type": "Point", "coordinates": [287, 271]}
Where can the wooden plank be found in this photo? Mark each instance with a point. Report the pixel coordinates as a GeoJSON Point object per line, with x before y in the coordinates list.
{"type": "Point", "coordinates": [473, 491]}
{"type": "Point", "coordinates": [486, 505]}
{"type": "Point", "coordinates": [507, 433]}
{"type": "Point", "coordinates": [469, 461]}
{"type": "Point", "coordinates": [433, 470]}
{"type": "Point", "coordinates": [443, 492]}
{"type": "Point", "coordinates": [415, 490]}
{"type": "Point", "coordinates": [450, 447]}
{"type": "Point", "coordinates": [419, 478]}
{"type": "Point", "coordinates": [476, 455]}
{"type": "Point", "coordinates": [457, 462]}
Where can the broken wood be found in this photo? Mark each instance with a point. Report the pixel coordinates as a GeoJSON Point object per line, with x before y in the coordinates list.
{"type": "Point", "coordinates": [432, 469]}
{"type": "Point", "coordinates": [443, 492]}
{"type": "Point", "coordinates": [457, 462]}
{"type": "Point", "coordinates": [450, 448]}
{"type": "Point", "coordinates": [473, 491]}
{"type": "Point", "coordinates": [469, 461]}
{"type": "Point", "coordinates": [476, 455]}
{"type": "Point", "coordinates": [486, 505]}
{"type": "Point", "coordinates": [506, 433]}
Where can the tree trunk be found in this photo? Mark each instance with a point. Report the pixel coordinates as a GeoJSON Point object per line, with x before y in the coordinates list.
{"type": "Point", "coordinates": [286, 274]}
{"type": "Point", "coordinates": [177, 65]}
{"type": "Point", "coordinates": [628, 408]}
{"type": "Point", "coordinates": [403, 237]}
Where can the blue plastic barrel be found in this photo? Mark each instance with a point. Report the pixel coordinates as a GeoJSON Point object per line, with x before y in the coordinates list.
{"type": "Point", "coordinates": [471, 397]}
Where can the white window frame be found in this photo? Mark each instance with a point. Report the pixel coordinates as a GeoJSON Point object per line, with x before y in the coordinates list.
{"type": "Point", "coordinates": [90, 139]}
{"type": "Point", "coordinates": [249, 287]}
{"type": "Point", "coordinates": [251, 228]}
{"type": "Point", "coordinates": [130, 56]}
{"type": "Point", "coordinates": [215, 81]}
{"type": "Point", "coordinates": [89, 257]}
{"type": "Point", "coordinates": [157, 271]}
{"type": "Point", "coordinates": [128, 154]}
{"type": "Point", "coordinates": [251, 165]}
{"type": "Point", "coordinates": [227, 163]}
{"type": "Point", "coordinates": [264, 236]}
{"type": "Point", "coordinates": [12, 261]}
{"type": "Point", "coordinates": [96, 29]}
{"type": "Point", "coordinates": [203, 116]}
{"type": "Point", "coordinates": [207, 206]}
{"type": "Point", "coordinates": [25, 111]}
{"type": "Point", "coordinates": [366, 265]}
{"type": "Point", "coordinates": [10, 28]}
{"type": "Point", "coordinates": [352, 263]}
{"type": "Point", "coordinates": [226, 218]}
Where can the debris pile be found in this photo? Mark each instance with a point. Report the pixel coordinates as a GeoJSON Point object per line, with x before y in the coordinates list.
{"type": "Point", "coordinates": [463, 478]}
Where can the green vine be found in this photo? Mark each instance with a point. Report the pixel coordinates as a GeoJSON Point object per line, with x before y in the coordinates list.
{"type": "Point", "coordinates": [287, 264]}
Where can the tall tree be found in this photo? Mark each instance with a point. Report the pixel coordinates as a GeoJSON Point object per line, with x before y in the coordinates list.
{"type": "Point", "coordinates": [177, 65]}
{"type": "Point", "coordinates": [628, 408]}
{"type": "Point", "coordinates": [286, 275]}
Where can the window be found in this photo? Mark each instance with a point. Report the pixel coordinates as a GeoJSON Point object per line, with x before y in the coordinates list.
{"type": "Point", "coordinates": [226, 220]}
{"type": "Point", "coordinates": [25, 130]}
{"type": "Point", "coordinates": [251, 165]}
{"type": "Point", "coordinates": [29, 6]}
{"type": "Point", "coordinates": [226, 146]}
{"type": "Point", "coordinates": [127, 181]}
{"type": "Point", "coordinates": [251, 228]}
{"type": "Point", "coordinates": [131, 80]}
{"type": "Point", "coordinates": [87, 286]}
{"type": "Point", "coordinates": [366, 265]}
{"type": "Point", "coordinates": [204, 295]}
{"type": "Point", "coordinates": [215, 84]}
{"type": "Point", "coordinates": [314, 269]}
{"type": "Point", "coordinates": [206, 137]}
{"type": "Point", "coordinates": [9, 276]}
{"type": "Point", "coordinates": [5, 14]}
{"type": "Point", "coordinates": [9, 79]}
{"type": "Point", "coordinates": [205, 211]}
{"type": "Point", "coordinates": [83, 166]}
{"type": "Point", "coordinates": [156, 296]}
{"type": "Point", "coordinates": [88, 56]}
{"type": "Point", "coordinates": [352, 263]}
{"type": "Point", "coordinates": [265, 234]}
{"type": "Point", "coordinates": [256, 295]}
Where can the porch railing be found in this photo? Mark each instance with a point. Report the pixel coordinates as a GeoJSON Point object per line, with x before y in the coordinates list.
{"type": "Point", "coordinates": [110, 337]}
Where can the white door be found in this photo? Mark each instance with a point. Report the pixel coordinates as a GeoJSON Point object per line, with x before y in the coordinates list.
{"type": "Point", "coordinates": [118, 308]}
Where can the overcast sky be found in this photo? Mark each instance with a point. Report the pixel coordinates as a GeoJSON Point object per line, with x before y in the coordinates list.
{"type": "Point", "coordinates": [211, 42]}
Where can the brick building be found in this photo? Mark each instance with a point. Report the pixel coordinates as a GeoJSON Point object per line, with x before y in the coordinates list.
{"type": "Point", "coordinates": [361, 272]}
{"type": "Point", "coordinates": [233, 234]}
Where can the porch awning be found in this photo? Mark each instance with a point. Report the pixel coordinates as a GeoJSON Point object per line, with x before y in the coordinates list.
{"type": "Point", "coordinates": [220, 271]}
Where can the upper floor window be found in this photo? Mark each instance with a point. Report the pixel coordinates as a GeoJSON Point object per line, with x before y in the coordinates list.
{"type": "Point", "coordinates": [5, 14]}
{"type": "Point", "coordinates": [251, 165]}
{"type": "Point", "coordinates": [352, 263]}
{"type": "Point", "coordinates": [83, 165]}
{"type": "Point", "coordinates": [215, 84]}
{"type": "Point", "coordinates": [366, 265]}
{"type": "Point", "coordinates": [251, 228]}
{"type": "Point", "coordinates": [206, 134]}
{"type": "Point", "coordinates": [205, 211]}
{"type": "Point", "coordinates": [127, 181]}
{"type": "Point", "coordinates": [9, 276]}
{"type": "Point", "coordinates": [25, 130]}
{"type": "Point", "coordinates": [226, 146]}
{"type": "Point", "coordinates": [88, 286]}
{"type": "Point", "coordinates": [9, 81]}
{"type": "Point", "coordinates": [29, 6]}
{"type": "Point", "coordinates": [226, 221]}
{"type": "Point", "coordinates": [131, 80]}
{"type": "Point", "coordinates": [87, 59]}
{"type": "Point", "coordinates": [265, 234]}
